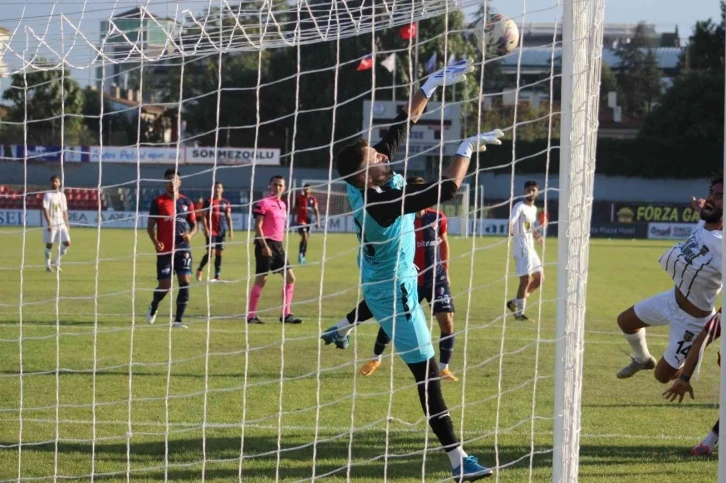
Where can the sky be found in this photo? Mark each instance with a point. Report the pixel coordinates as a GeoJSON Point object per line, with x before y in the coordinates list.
{"type": "Point", "coordinates": [83, 20]}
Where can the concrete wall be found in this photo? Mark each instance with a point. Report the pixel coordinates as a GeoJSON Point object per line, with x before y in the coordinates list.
{"type": "Point", "coordinates": [496, 186]}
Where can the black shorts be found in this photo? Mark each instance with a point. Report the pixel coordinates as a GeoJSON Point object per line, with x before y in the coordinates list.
{"type": "Point", "coordinates": [441, 301]}
{"type": "Point", "coordinates": [216, 241]}
{"type": "Point", "coordinates": [182, 264]}
{"type": "Point", "coordinates": [303, 229]}
{"type": "Point", "coordinates": [275, 263]}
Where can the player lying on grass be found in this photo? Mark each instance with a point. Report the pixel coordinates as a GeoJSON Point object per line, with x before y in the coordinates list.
{"type": "Point", "coordinates": [682, 384]}
{"type": "Point", "coordinates": [384, 209]}
{"type": "Point", "coordinates": [431, 260]}
{"type": "Point", "coordinates": [695, 267]}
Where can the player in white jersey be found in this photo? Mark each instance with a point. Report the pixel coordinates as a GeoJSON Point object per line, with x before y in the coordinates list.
{"type": "Point", "coordinates": [529, 266]}
{"type": "Point", "coordinates": [695, 267]}
{"type": "Point", "coordinates": [57, 230]}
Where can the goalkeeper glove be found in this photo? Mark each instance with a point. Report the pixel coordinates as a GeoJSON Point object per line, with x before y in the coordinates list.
{"type": "Point", "coordinates": [479, 143]}
{"type": "Point", "coordinates": [449, 75]}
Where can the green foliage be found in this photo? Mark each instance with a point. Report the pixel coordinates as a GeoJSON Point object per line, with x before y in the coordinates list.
{"type": "Point", "coordinates": [688, 120]}
{"type": "Point", "coordinates": [119, 128]}
{"type": "Point", "coordinates": [51, 98]}
{"type": "Point", "coordinates": [298, 87]}
{"type": "Point", "coordinates": [705, 50]}
{"type": "Point", "coordinates": [532, 123]}
{"type": "Point", "coordinates": [690, 116]}
{"type": "Point", "coordinates": [608, 83]}
{"type": "Point", "coordinates": [638, 74]}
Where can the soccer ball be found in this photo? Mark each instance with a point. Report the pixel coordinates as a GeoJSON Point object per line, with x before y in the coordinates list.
{"type": "Point", "coordinates": [499, 36]}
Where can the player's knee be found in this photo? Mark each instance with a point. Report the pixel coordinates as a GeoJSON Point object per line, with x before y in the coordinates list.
{"type": "Point", "coordinates": [289, 277]}
{"type": "Point", "coordinates": [662, 377]}
{"type": "Point", "coordinates": [67, 244]}
{"type": "Point", "coordinates": [524, 280]}
{"type": "Point", "coordinates": [629, 322]}
{"type": "Point", "coordinates": [164, 284]}
{"type": "Point", "coordinates": [261, 280]}
{"type": "Point", "coordinates": [446, 322]}
{"type": "Point", "coordinates": [48, 246]}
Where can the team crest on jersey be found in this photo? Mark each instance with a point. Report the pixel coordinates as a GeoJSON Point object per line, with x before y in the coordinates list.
{"type": "Point", "coordinates": [688, 336]}
{"type": "Point", "coordinates": [691, 250]}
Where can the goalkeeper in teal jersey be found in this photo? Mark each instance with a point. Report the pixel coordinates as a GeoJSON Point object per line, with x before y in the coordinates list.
{"type": "Point", "coordinates": [384, 208]}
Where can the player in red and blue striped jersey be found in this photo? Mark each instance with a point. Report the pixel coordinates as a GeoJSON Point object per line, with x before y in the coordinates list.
{"type": "Point", "coordinates": [171, 226]}
{"type": "Point", "coordinates": [306, 205]}
{"type": "Point", "coordinates": [216, 218]}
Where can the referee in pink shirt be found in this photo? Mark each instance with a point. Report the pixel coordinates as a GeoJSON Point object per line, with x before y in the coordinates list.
{"type": "Point", "coordinates": [270, 219]}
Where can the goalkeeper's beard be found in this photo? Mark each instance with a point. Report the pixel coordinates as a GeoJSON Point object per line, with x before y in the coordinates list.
{"type": "Point", "coordinates": [713, 216]}
{"type": "Point", "coordinates": [385, 177]}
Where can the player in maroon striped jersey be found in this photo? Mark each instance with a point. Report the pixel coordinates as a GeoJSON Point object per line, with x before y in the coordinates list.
{"type": "Point", "coordinates": [216, 219]}
{"type": "Point", "coordinates": [171, 226]}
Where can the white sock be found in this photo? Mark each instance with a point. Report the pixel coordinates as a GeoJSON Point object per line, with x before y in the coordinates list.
{"type": "Point", "coordinates": [443, 366]}
{"type": "Point", "coordinates": [456, 456]}
{"type": "Point", "coordinates": [63, 250]}
{"type": "Point", "coordinates": [637, 343]}
{"type": "Point", "coordinates": [710, 440]}
{"type": "Point", "coordinates": [47, 257]}
{"type": "Point", "coordinates": [344, 327]}
{"type": "Point", "coordinates": [376, 357]}
{"type": "Point", "coordinates": [521, 304]}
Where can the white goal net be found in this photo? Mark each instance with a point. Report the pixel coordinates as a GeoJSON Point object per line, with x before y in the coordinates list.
{"type": "Point", "coordinates": [108, 98]}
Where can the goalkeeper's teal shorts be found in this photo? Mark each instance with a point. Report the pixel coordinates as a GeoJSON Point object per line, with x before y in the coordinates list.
{"type": "Point", "coordinates": [395, 306]}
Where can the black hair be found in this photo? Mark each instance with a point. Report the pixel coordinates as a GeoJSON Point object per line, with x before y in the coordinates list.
{"type": "Point", "coordinates": [530, 184]}
{"type": "Point", "coordinates": [170, 172]}
{"type": "Point", "coordinates": [350, 159]}
{"type": "Point", "coordinates": [716, 179]}
{"type": "Point", "coordinates": [306, 185]}
{"type": "Point", "coordinates": [415, 180]}
{"type": "Point", "coordinates": [55, 176]}
{"type": "Point", "coordinates": [277, 176]}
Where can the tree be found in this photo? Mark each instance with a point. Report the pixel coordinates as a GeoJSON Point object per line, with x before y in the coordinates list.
{"type": "Point", "coordinates": [323, 73]}
{"type": "Point", "coordinates": [52, 98]}
{"type": "Point", "coordinates": [705, 50]}
{"type": "Point", "coordinates": [638, 74]}
{"type": "Point", "coordinates": [686, 118]}
{"type": "Point", "coordinates": [608, 83]}
{"type": "Point", "coordinates": [685, 123]}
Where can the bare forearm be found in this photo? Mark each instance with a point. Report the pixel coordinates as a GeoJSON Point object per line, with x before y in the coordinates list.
{"type": "Point", "coordinates": [417, 106]}
{"type": "Point", "coordinates": [152, 232]}
{"type": "Point", "coordinates": [259, 235]}
{"type": "Point", "coordinates": [456, 171]}
{"type": "Point", "coordinates": [694, 354]}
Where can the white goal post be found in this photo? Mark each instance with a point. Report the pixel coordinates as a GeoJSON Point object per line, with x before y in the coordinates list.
{"type": "Point", "coordinates": [271, 400]}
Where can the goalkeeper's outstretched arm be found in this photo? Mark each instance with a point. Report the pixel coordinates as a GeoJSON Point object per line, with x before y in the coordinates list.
{"type": "Point", "coordinates": [386, 206]}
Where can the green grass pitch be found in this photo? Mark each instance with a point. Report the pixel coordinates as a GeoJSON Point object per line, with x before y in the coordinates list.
{"type": "Point", "coordinates": [182, 421]}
